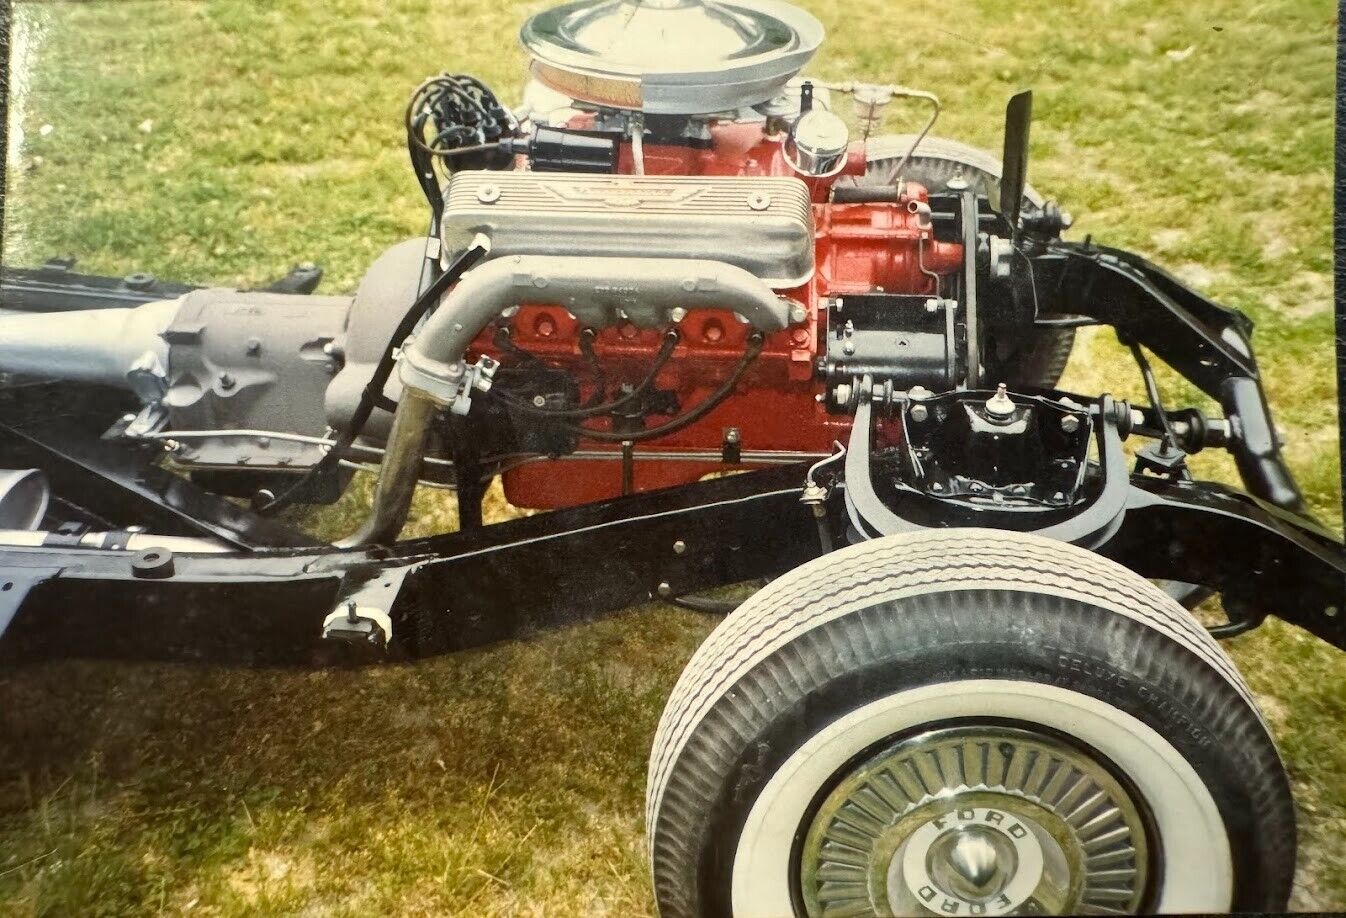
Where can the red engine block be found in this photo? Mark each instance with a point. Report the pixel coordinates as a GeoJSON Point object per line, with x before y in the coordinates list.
{"type": "Point", "coordinates": [776, 407]}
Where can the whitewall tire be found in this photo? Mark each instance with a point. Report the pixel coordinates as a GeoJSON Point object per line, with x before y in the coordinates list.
{"type": "Point", "coordinates": [966, 722]}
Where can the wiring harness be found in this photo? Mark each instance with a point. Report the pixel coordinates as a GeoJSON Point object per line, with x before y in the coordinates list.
{"type": "Point", "coordinates": [455, 121]}
{"type": "Point", "coordinates": [569, 417]}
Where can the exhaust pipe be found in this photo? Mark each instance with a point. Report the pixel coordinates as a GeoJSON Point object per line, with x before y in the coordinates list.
{"type": "Point", "coordinates": [24, 494]}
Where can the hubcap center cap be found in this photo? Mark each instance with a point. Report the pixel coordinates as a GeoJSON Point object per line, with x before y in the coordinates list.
{"type": "Point", "coordinates": [971, 861]}
{"type": "Point", "coordinates": [975, 860]}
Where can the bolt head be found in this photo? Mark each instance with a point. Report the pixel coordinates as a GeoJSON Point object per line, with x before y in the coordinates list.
{"type": "Point", "coordinates": [1070, 423]}
{"type": "Point", "coordinates": [679, 547]}
{"type": "Point", "coordinates": [1000, 405]}
{"type": "Point", "coordinates": [759, 200]}
{"type": "Point", "coordinates": [919, 413]}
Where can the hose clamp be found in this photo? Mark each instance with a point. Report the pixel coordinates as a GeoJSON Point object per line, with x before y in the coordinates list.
{"type": "Point", "coordinates": [448, 384]}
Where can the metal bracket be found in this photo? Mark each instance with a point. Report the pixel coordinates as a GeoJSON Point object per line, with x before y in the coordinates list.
{"type": "Point", "coordinates": [1161, 459]}
{"type": "Point", "coordinates": [359, 626]}
{"type": "Point", "coordinates": [148, 378]}
{"type": "Point", "coordinates": [363, 616]}
{"type": "Point", "coordinates": [970, 293]}
{"type": "Point", "coordinates": [479, 377]}
{"type": "Point", "coordinates": [151, 419]}
{"type": "Point", "coordinates": [450, 385]}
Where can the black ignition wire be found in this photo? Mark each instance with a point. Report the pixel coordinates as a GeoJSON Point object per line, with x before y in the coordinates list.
{"type": "Point", "coordinates": [754, 348]}
{"type": "Point", "coordinates": [671, 338]}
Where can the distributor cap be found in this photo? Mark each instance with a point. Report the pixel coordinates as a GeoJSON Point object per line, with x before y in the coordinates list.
{"type": "Point", "coordinates": [671, 57]}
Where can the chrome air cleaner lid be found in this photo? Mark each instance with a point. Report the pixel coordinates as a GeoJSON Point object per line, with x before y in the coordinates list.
{"type": "Point", "coordinates": [670, 57]}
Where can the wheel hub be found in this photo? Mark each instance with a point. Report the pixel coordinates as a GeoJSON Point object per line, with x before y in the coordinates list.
{"type": "Point", "coordinates": [976, 821]}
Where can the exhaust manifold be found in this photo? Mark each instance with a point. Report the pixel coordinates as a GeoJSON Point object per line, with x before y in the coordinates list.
{"type": "Point", "coordinates": [599, 291]}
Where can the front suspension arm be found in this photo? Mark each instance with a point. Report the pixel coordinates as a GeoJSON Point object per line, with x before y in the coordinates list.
{"type": "Point", "coordinates": [1206, 342]}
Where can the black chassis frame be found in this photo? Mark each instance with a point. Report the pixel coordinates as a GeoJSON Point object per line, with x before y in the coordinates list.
{"type": "Point", "coordinates": [266, 602]}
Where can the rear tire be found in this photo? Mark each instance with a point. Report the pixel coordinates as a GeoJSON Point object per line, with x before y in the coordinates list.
{"type": "Point", "coordinates": [890, 709]}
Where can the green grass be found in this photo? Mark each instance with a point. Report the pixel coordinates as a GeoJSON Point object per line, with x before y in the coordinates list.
{"type": "Point", "coordinates": [510, 780]}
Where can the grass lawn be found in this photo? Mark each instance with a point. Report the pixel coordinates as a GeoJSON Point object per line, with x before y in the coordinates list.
{"type": "Point", "coordinates": [223, 141]}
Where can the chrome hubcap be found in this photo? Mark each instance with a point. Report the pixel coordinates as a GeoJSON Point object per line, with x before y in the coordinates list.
{"type": "Point", "coordinates": [976, 821]}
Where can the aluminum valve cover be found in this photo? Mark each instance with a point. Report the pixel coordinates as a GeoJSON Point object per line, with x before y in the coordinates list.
{"type": "Point", "coordinates": [763, 225]}
{"type": "Point", "coordinates": [671, 57]}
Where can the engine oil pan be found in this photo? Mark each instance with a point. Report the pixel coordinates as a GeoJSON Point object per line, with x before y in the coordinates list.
{"type": "Point", "coordinates": [763, 225]}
